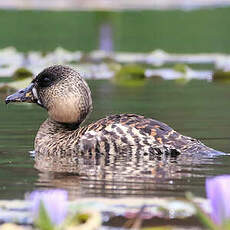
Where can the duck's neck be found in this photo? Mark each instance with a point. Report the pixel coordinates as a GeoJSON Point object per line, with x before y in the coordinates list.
{"type": "Point", "coordinates": [68, 126]}
{"type": "Point", "coordinates": [54, 137]}
{"type": "Point", "coordinates": [55, 127]}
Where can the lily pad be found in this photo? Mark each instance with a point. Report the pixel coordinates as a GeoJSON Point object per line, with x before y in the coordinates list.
{"type": "Point", "coordinates": [22, 73]}
{"type": "Point", "coordinates": [130, 75]}
{"type": "Point", "coordinates": [221, 75]}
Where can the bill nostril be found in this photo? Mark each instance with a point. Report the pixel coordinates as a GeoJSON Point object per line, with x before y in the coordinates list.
{"type": "Point", "coordinates": [7, 101]}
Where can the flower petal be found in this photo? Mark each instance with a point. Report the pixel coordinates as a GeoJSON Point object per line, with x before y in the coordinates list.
{"type": "Point", "coordinates": [218, 192]}
{"type": "Point", "coordinates": [55, 202]}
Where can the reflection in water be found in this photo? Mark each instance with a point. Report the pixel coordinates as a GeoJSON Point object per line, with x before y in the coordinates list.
{"type": "Point", "coordinates": [115, 176]}
{"type": "Point", "coordinates": [106, 37]}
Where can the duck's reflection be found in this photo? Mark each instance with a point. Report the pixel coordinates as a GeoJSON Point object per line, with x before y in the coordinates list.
{"type": "Point", "coordinates": [124, 175]}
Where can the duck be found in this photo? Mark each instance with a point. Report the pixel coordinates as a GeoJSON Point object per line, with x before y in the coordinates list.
{"type": "Point", "coordinates": [66, 96]}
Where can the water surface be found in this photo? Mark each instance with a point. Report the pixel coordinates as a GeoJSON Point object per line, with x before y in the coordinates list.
{"type": "Point", "coordinates": [198, 109]}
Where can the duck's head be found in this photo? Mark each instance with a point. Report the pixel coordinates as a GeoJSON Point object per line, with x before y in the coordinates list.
{"type": "Point", "coordinates": [61, 90]}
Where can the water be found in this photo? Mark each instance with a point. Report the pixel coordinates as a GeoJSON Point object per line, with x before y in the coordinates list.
{"type": "Point", "coordinates": [198, 109]}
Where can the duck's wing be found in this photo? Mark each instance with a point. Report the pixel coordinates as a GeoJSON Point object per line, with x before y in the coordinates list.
{"type": "Point", "coordinates": [123, 132]}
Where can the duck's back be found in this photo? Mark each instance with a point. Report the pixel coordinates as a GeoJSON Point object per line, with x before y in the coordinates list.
{"type": "Point", "coordinates": [129, 132]}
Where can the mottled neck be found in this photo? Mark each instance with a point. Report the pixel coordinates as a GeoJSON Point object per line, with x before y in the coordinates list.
{"type": "Point", "coordinates": [54, 137]}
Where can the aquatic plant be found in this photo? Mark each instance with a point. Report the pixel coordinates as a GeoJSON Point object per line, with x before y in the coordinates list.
{"type": "Point", "coordinates": [218, 192]}
{"type": "Point", "coordinates": [131, 72]}
{"type": "Point", "coordinates": [182, 68]}
{"type": "Point", "coordinates": [221, 75]}
{"type": "Point", "coordinates": [130, 75]}
{"type": "Point", "coordinates": [50, 212]}
{"type": "Point", "coordinates": [22, 73]}
{"type": "Point", "coordinates": [49, 208]}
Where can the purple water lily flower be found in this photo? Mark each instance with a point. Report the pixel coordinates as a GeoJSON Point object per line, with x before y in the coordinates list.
{"type": "Point", "coordinates": [218, 192]}
{"type": "Point", "coordinates": [55, 203]}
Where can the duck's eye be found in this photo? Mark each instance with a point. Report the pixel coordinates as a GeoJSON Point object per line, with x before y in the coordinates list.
{"type": "Point", "coordinates": [45, 81]}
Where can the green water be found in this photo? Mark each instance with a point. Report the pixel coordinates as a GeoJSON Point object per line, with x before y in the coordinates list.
{"type": "Point", "coordinates": [197, 109]}
{"type": "Point", "coordinates": [196, 31]}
